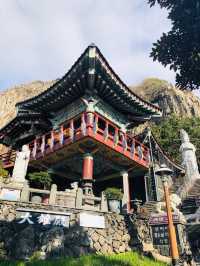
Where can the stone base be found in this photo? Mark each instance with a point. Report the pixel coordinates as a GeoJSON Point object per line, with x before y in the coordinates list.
{"type": "Point", "coordinates": [22, 241]}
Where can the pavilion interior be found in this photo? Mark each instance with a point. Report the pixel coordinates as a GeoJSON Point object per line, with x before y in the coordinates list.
{"type": "Point", "coordinates": [65, 166]}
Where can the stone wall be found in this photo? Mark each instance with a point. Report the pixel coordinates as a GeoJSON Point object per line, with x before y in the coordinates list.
{"type": "Point", "coordinates": [22, 242]}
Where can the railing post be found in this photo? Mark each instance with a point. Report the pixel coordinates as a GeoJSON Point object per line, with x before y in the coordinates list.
{"type": "Point", "coordinates": [42, 148]}
{"type": "Point", "coordinates": [132, 148]}
{"type": "Point", "coordinates": [83, 124]}
{"type": "Point", "coordinates": [124, 142]}
{"type": "Point", "coordinates": [104, 204]}
{"type": "Point", "coordinates": [71, 130]}
{"type": "Point", "coordinates": [116, 137]}
{"type": "Point", "coordinates": [79, 198]}
{"type": "Point", "coordinates": [106, 132]}
{"type": "Point", "coordinates": [140, 152]}
{"type": "Point", "coordinates": [25, 193]}
{"type": "Point", "coordinates": [52, 197]}
{"type": "Point", "coordinates": [34, 151]}
{"type": "Point", "coordinates": [95, 124]}
{"type": "Point", "coordinates": [52, 140]}
{"type": "Point", "coordinates": [61, 135]}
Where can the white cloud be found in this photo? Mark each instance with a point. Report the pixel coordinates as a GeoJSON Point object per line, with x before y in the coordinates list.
{"type": "Point", "coordinates": [42, 39]}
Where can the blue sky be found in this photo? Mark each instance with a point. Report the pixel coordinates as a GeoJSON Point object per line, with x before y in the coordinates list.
{"type": "Point", "coordinates": [40, 39]}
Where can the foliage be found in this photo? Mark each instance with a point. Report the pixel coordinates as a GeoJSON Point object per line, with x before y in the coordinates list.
{"type": "Point", "coordinates": [42, 177]}
{"type": "Point", "coordinates": [113, 193]}
{"type": "Point", "coordinates": [3, 172]}
{"type": "Point", "coordinates": [180, 47]}
{"type": "Point", "coordinates": [167, 133]}
{"type": "Point", "coordinates": [124, 259]}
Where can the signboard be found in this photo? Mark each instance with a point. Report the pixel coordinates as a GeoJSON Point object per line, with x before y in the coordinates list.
{"type": "Point", "coordinates": [160, 234]}
{"type": "Point", "coordinates": [42, 218]}
{"type": "Point", "coordinates": [9, 194]}
{"type": "Point", "coordinates": [90, 220]}
{"type": "Point", "coordinates": [162, 219]}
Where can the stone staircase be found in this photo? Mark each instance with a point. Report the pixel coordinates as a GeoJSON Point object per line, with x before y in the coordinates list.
{"type": "Point", "coordinates": [195, 189]}
{"type": "Point", "coordinates": [177, 184]}
{"type": "Point", "coordinates": [150, 206]}
{"type": "Point", "coordinates": [190, 203]}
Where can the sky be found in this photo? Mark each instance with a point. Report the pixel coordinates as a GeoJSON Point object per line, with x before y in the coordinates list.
{"type": "Point", "coordinates": [41, 39]}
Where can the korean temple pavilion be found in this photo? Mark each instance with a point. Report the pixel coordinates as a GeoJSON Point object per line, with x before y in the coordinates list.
{"type": "Point", "coordinates": [79, 130]}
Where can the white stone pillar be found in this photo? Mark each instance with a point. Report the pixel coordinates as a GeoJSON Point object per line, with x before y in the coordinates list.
{"type": "Point", "coordinates": [21, 165]}
{"type": "Point", "coordinates": [126, 197]}
{"type": "Point", "coordinates": [189, 160]}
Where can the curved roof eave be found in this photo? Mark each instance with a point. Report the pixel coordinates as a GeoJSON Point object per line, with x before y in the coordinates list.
{"type": "Point", "coordinates": [135, 99]}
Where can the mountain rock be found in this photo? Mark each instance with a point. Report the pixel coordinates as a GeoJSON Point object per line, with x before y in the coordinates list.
{"type": "Point", "coordinates": [169, 98]}
{"type": "Point", "coordinates": [11, 96]}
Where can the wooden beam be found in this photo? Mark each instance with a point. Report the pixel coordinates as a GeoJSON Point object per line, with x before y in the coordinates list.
{"type": "Point", "coordinates": [111, 176]}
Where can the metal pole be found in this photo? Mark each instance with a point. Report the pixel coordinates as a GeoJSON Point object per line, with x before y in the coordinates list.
{"type": "Point", "coordinates": [152, 164]}
{"type": "Point", "coordinates": [171, 228]}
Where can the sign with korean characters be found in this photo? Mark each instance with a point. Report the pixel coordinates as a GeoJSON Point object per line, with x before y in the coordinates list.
{"type": "Point", "coordinates": [159, 228]}
{"type": "Point", "coordinates": [42, 218]}
{"type": "Point", "coordinates": [162, 219]}
{"type": "Point", "coordinates": [160, 234]}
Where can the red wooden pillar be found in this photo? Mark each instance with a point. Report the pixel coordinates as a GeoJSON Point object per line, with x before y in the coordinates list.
{"type": "Point", "coordinates": [87, 173]}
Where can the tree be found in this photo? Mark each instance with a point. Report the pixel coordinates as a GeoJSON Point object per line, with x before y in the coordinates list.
{"type": "Point", "coordinates": [180, 47]}
{"type": "Point", "coordinates": [167, 133]}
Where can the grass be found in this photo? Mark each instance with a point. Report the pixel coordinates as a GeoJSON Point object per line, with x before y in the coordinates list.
{"type": "Point", "coordinates": [124, 259]}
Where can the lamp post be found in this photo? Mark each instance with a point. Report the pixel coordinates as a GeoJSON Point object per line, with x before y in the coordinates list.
{"type": "Point", "coordinates": [164, 172]}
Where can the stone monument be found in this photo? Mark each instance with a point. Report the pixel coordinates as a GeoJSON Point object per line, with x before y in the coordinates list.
{"type": "Point", "coordinates": [21, 165]}
{"type": "Point", "coordinates": [189, 160]}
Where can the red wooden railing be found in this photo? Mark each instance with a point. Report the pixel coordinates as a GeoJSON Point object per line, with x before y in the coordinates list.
{"type": "Point", "coordinates": [8, 158]}
{"type": "Point", "coordinates": [95, 126]}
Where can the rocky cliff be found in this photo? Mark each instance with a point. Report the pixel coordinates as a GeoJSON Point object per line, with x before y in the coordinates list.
{"type": "Point", "coordinates": [169, 98]}
{"type": "Point", "coordinates": [10, 97]}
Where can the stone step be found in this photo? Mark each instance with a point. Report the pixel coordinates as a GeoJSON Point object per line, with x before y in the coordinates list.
{"type": "Point", "coordinates": [150, 206]}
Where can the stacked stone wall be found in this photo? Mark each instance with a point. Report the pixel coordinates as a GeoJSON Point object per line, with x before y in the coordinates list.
{"type": "Point", "coordinates": [119, 235]}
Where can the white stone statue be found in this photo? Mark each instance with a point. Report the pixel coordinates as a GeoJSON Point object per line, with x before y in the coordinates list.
{"type": "Point", "coordinates": [189, 160]}
{"type": "Point", "coordinates": [74, 187]}
{"type": "Point", "coordinates": [160, 207]}
{"type": "Point", "coordinates": [175, 201]}
{"type": "Point", "coordinates": [21, 164]}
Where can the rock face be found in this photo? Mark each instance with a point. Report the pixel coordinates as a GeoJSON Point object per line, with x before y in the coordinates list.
{"type": "Point", "coordinates": [169, 98]}
{"type": "Point", "coordinates": [10, 97]}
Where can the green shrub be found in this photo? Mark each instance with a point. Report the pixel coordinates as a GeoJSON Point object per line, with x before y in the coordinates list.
{"type": "Point", "coordinates": [3, 172]}
{"type": "Point", "coordinates": [43, 178]}
{"type": "Point", "coordinates": [113, 193]}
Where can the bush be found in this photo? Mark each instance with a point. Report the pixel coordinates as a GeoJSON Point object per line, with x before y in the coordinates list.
{"type": "Point", "coordinates": [113, 193]}
{"type": "Point", "coordinates": [42, 177]}
{"type": "Point", "coordinates": [3, 172]}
